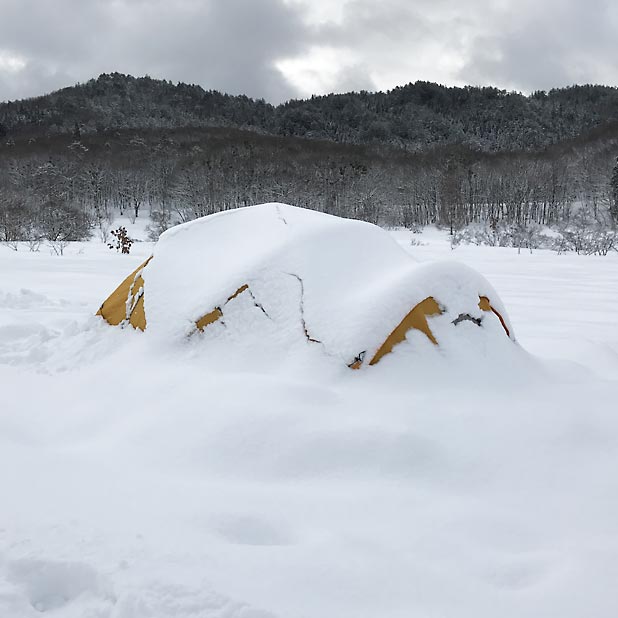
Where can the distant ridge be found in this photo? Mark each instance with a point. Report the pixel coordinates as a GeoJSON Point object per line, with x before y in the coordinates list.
{"type": "Point", "coordinates": [414, 117]}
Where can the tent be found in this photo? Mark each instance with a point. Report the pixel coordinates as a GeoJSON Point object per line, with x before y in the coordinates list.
{"type": "Point", "coordinates": [343, 284]}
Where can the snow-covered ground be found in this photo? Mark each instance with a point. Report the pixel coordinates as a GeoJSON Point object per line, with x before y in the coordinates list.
{"type": "Point", "coordinates": [145, 479]}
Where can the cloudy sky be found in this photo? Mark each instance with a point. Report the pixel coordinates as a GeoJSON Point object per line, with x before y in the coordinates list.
{"type": "Point", "coordinates": [279, 49]}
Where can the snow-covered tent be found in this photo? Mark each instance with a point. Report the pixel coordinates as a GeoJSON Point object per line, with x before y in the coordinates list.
{"type": "Point", "coordinates": [343, 284]}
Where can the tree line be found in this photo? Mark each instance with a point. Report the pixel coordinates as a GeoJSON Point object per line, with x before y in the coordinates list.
{"type": "Point", "coordinates": [62, 187]}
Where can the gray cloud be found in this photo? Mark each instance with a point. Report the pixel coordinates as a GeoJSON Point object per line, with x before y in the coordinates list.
{"type": "Point", "coordinates": [229, 45]}
{"type": "Point", "coordinates": [518, 44]}
{"type": "Point", "coordinates": [542, 45]}
{"type": "Point", "coordinates": [271, 49]}
{"type": "Point", "coordinates": [354, 78]}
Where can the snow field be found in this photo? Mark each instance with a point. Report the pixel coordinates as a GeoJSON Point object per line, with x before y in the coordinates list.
{"type": "Point", "coordinates": [143, 477]}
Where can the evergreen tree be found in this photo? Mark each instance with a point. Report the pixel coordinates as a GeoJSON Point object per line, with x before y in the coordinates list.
{"type": "Point", "coordinates": [613, 210]}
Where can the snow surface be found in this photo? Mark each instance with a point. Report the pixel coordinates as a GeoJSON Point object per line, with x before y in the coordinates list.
{"type": "Point", "coordinates": [141, 477]}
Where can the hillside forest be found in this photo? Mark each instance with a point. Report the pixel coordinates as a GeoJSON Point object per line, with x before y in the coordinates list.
{"type": "Point", "coordinates": [492, 167]}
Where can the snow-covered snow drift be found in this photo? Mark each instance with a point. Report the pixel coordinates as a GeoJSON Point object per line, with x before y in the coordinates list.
{"type": "Point", "coordinates": [276, 272]}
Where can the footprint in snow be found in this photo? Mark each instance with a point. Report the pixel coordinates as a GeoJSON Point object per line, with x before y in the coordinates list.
{"type": "Point", "coordinates": [250, 530]}
{"type": "Point", "coordinates": [49, 585]}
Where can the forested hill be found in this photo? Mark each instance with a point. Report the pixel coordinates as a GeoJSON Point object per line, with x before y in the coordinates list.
{"type": "Point", "coordinates": [414, 117]}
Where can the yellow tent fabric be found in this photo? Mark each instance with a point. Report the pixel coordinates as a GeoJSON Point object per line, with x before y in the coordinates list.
{"type": "Point", "coordinates": [416, 319]}
{"type": "Point", "coordinates": [217, 313]}
{"type": "Point", "coordinates": [485, 305]}
{"type": "Point", "coordinates": [125, 305]}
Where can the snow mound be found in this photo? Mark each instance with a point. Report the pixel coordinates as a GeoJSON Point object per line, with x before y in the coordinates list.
{"type": "Point", "coordinates": [340, 283]}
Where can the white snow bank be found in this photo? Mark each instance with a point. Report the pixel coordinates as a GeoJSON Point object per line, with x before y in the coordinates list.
{"type": "Point", "coordinates": [143, 477]}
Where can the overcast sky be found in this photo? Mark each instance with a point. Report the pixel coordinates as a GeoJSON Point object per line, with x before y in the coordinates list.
{"type": "Point", "coordinates": [279, 49]}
